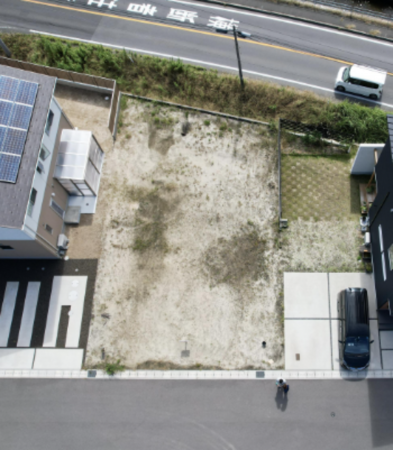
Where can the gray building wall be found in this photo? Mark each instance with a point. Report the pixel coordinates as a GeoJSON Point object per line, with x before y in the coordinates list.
{"type": "Point", "coordinates": [48, 216]}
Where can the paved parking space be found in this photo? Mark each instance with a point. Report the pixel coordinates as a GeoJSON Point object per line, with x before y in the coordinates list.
{"type": "Point", "coordinates": [45, 303]}
{"type": "Point", "coordinates": [387, 348]}
{"type": "Point", "coordinates": [306, 343]}
{"type": "Point", "coordinates": [307, 294]}
{"type": "Point", "coordinates": [340, 281]}
{"type": "Point", "coordinates": [311, 321]}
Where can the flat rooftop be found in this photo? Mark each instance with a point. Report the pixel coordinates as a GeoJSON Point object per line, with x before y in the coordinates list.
{"type": "Point", "coordinates": [14, 196]}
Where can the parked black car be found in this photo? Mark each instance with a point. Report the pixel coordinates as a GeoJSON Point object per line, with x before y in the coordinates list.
{"type": "Point", "coordinates": [354, 329]}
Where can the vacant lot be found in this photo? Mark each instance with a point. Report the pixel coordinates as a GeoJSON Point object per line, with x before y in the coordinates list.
{"type": "Point", "coordinates": [188, 245]}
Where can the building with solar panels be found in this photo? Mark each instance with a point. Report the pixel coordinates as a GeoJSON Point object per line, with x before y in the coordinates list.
{"type": "Point", "coordinates": [49, 171]}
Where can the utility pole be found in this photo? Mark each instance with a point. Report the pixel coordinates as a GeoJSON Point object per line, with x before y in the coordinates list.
{"type": "Point", "coordinates": [5, 48]}
{"type": "Point", "coordinates": [238, 59]}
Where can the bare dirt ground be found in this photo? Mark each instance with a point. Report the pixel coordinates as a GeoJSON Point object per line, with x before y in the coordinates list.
{"type": "Point", "coordinates": [87, 110]}
{"type": "Point", "coordinates": [186, 234]}
{"type": "Point", "coordinates": [188, 245]}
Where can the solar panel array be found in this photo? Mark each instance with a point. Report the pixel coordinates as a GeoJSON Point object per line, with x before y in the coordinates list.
{"type": "Point", "coordinates": [17, 98]}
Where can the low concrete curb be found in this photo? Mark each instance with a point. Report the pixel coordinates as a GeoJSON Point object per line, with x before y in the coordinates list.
{"type": "Point", "coordinates": [241, 375]}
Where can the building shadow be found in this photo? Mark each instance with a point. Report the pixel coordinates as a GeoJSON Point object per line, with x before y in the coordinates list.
{"type": "Point", "coordinates": [380, 393]}
{"type": "Point", "coordinates": [281, 400]}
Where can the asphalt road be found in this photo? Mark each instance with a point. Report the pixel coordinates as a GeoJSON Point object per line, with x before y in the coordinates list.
{"type": "Point", "coordinates": [287, 52]}
{"type": "Point", "coordinates": [186, 415]}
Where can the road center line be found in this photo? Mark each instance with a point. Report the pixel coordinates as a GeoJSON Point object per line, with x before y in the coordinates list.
{"type": "Point", "coordinates": [190, 30]}
{"type": "Point", "coordinates": [196, 61]}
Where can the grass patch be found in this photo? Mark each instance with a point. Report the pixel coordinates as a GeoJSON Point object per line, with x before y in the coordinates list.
{"type": "Point", "coordinates": [195, 86]}
{"type": "Point", "coordinates": [319, 188]}
{"type": "Point", "coordinates": [112, 368]}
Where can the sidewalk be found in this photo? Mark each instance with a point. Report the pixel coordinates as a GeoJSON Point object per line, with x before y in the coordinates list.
{"type": "Point", "coordinates": [217, 375]}
{"type": "Point", "coordinates": [315, 13]}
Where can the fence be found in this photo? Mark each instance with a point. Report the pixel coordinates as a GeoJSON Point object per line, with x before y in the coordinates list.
{"type": "Point", "coordinates": [72, 77]}
{"type": "Point", "coordinates": [317, 131]}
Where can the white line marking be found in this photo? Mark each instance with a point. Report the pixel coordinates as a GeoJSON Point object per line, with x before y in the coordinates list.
{"type": "Point", "coordinates": [29, 310]}
{"type": "Point", "coordinates": [292, 22]}
{"type": "Point", "coordinates": [7, 311]}
{"type": "Point", "coordinates": [220, 66]}
{"type": "Point", "coordinates": [66, 290]}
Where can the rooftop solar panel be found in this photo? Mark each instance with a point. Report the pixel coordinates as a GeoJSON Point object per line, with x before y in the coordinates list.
{"type": "Point", "coordinates": [3, 132]}
{"type": "Point", "coordinates": [14, 142]}
{"type": "Point", "coordinates": [9, 166]}
{"type": "Point", "coordinates": [26, 93]}
{"type": "Point", "coordinates": [5, 112]}
{"type": "Point", "coordinates": [8, 88]}
{"type": "Point", "coordinates": [17, 98]}
{"type": "Point", "coordinates": [20, 116]}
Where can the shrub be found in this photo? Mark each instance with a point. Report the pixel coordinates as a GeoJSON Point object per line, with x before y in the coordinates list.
{"type": "Point", "coordinates": [112, 368]}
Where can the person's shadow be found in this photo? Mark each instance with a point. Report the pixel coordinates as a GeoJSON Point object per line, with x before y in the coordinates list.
{"type": "Point", "coordinates": [281, 400]}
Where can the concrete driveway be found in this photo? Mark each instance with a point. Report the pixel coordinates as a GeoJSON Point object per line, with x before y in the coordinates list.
{"type": "Point", "coordinates": [311, 319]}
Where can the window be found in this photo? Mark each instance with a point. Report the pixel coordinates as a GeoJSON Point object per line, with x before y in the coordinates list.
{"type": "Point", "coordinates": [44, 153]}
{"type": "Point", "coordinates": [6, 247]}
{"type": "Point", "coordinates": [382, 252]}
{"type": "Point", "coordinates": [368, 84]}
{"type": "Point", "coordinates": [32, 200]}
{"type": "Point", "coordinates": [40, 167]}
{"type": "Point", "coordinates": [390, 253]}
{"type": "Point", "coordinates": [380, 237]}
{"type": "Point", "coordinates": [383, 266]}
{"type": "Point", "coordinates": [346, 74]}
{"type": "Point", "coordinates": [33, 196]}
{"type": "Point", "coordinates": [49, 122]}
{"type": "Point", "coordinates": [58, 209]}
{"type": "Point", "coordinates": [48, 228]}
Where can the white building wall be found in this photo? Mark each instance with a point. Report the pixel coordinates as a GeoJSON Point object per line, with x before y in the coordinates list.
{"type": "Point", "coordinates": [40, 179]}
{"type": "Point", "coordinates": [364, 162]}
{"type": "Point", "coordinates": [13, 234]}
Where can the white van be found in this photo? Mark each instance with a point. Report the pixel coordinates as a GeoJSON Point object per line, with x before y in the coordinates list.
{"type": "Point", "coordinates": [361, 80]}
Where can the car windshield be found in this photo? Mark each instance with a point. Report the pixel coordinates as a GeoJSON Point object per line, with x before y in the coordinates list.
{"type": "Point", "coordinates": [357, 346]}
{"type": "Point", "coordinates": [346, 74]}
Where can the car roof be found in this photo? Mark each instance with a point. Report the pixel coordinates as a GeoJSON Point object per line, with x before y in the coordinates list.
{"type": "Point", "coordinates": [368, 74]}
{"type": "Point", "coordinates": [356, 312]}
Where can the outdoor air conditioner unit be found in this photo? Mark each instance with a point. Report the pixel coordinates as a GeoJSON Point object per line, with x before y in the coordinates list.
{"type": "Point", "coordinates": [62, 242]}
{"type": "Point", "coordinates": [367, 239]}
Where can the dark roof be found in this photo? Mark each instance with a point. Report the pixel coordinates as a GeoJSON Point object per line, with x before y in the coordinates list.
{"type": "Point", "coordinates": [357, 313]}
{"type": "Point", "coordinates": [14, 197]}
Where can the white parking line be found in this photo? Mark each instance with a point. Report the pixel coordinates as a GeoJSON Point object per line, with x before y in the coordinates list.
{"type": "Point", "coordinates": [7, 311]}
{"type": "Point", "coordinates": [28, 317]}
{"type": "Point", "coordinates": [219, 66]}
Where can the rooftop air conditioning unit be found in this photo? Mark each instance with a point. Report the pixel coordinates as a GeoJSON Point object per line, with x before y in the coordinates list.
{"type": "Point", "coordinates": [62, 242]}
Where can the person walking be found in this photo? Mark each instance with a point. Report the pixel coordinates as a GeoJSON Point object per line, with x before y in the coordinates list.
{"type": "Point", "coordinates": [280, 383]}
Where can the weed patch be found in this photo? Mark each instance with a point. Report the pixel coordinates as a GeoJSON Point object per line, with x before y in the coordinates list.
{"type": "Point", "coordinates": [195, 86]}
{"type": "Point", "coordinates": [237, 259]}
